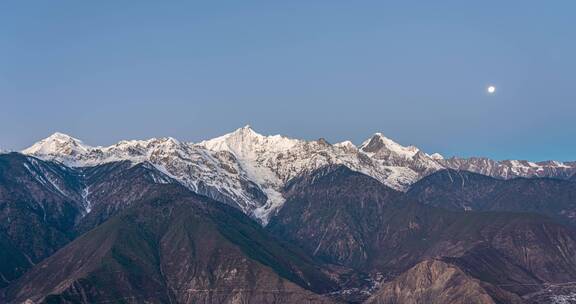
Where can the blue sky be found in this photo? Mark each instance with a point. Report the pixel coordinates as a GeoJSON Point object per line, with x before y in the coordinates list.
{"type": "Point", "coordinates": [416, 71]}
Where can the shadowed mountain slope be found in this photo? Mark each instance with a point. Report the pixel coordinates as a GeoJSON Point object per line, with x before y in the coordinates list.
{"type": "Point", "coordinates": [112, 187]}
{"type": "Point", "coordinates": [44, 205]}
{"type": "Point", "coordinates": [348, 218]}
{"type": "Point", "coordinates": [40, 203]}
{"type": "Point", "coordinates": [462, 190]}
{"type": "Point", "coordinates": [175, 247]}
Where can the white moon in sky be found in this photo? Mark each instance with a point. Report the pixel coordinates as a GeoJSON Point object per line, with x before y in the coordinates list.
{"type": "Point", "coordinates": [491, 89]}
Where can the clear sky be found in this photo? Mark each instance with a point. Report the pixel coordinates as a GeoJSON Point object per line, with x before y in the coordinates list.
{"type": "Point", "coordinates": [416, 71]}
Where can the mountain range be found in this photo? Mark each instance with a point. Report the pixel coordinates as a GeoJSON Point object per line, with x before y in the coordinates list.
{"type": "Point", "coordinates": [248, 170]}
{"type": "Point", "coordinates": [248, 218]}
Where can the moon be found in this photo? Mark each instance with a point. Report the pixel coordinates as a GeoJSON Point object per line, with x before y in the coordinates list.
{"type": "Point", "coordinates": [491, 89]}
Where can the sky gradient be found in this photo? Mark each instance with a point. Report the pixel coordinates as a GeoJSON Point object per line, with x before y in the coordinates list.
{"type": "Point", "coordinates": [416, 71]}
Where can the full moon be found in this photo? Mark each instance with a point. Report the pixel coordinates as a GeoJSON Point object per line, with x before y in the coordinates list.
{"type": "Point", "coordinates": [491, 89]}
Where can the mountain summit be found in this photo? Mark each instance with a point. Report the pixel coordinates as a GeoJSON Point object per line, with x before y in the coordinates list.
{"type": "Point", "coordinates": [58, 144]}
{"type": "Point", "coordinates": [379, 143]}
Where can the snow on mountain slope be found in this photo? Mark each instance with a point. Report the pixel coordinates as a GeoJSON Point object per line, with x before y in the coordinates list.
{"type": "Point", "coordinates": [287, 158]}
{"type": "Point", "coordinates": [214, 174]}
{"type": "Point", "coordinates": [436, 156]}
{"type": "Point", "coordinates": [511, 168]}
{"type": "Point", "coordinates": [249, 170]}
{"type": "Point", "coordinates": [271, 161]}
{"type": "Point", "coordinates": [60, 147]}
{"type": "Point", "coordinates": [379, 145]}
{"type": "Point", "coordinates": [242, 168]}
{"type": "Point", "coordinates": [388, 152]}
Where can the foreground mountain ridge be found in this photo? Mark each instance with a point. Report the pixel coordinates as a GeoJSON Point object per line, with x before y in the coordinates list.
{"type": "Point", "coordinates": [345, 217]}
{"type": "Point", "coordinates": [135, 232]}
{"type": "Point", "coordinates": [248, 170]}
{"type": "Point", "coordinates": [176, 247]}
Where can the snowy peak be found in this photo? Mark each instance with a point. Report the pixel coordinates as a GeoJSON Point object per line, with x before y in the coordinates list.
{"type": "Point", "coordinates": [245, 143]}
{"type": "Point", "coordinates": [551, 163]}
{"type": "Point", "coordinates": [437, 156]}
{"type": "Point", "coordinates": [380, 145]}
{"type": "Point", "coordinates": [232, 141]}
{"type": "Point", "coordinates": [391, 153]}
{"type": "Point", "coordinates": [58, 144]}
{"type": "Point", "coordinates": [346, 145]}
{"type": "Point", "coordinates": [244, 132]}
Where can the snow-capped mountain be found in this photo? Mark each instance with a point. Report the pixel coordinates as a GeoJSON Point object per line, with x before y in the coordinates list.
{"type": "Point", "coordinates": [61, 147]}
{"type": "Point", "coordinates": [390, 153]}
{"type": "Point", "coordinates": [249, 170]}
{"type": "Point", "coordinates": [271, 161]}
{"type": "Point", "coordinates": [511, 168]}
{"type": "Point", "coordinates": [217, 175]}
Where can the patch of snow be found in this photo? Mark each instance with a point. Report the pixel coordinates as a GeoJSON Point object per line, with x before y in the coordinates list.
{"type": "Point", "coordinates": [85, 198]}
{"type": "Point", "coordinates": [346, 144]}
